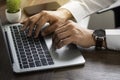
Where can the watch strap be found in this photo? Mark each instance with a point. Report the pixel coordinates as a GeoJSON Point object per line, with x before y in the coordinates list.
{"type": "Point", "coordinates": [99, 43]}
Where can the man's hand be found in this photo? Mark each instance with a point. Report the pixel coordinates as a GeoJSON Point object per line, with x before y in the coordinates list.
{"type": "Point", "coordinates": [70, 33]}
{"type": "Point", "coordinates": [54, 18]}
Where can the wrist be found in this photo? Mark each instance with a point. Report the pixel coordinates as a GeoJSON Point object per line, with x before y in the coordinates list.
{"type": "Point", "coordinates": [92, 41]}
{"type": "Point", "coordinates": [65, 13]}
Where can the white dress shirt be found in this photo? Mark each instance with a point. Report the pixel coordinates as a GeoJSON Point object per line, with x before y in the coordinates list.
{"type": "Point", "coordinates": [80, 9]}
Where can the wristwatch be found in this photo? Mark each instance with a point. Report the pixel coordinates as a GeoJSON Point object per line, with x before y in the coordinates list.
{"type": "Point", "coordinates": [99, 37]}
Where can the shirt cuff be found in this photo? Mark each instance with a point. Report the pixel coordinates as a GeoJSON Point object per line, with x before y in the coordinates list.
{"type": "Point", "coordinates": [76, 9]}
{"type": "Point", "coordinates": [113, 39]}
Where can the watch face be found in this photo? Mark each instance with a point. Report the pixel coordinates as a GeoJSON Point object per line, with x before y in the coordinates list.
{"type": "Point", "coordinates": [99, 33]}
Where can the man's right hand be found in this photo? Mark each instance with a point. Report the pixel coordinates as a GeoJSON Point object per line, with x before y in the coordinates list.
{"type": "Point", "coordinates": [54, 18]}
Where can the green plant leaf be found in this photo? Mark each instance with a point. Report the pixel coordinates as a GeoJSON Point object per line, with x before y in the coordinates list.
{"type": "Point", "coordinates": [13, 6]}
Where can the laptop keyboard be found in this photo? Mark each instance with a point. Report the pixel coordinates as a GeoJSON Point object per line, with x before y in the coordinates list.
{"type": "Point", "coordinates": [31, 52]}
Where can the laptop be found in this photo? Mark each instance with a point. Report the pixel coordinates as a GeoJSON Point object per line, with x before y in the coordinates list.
{"type": "Point", "coordinates": [28, 54]}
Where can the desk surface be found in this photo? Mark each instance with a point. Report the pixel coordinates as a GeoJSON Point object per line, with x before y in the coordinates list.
{"type": "Point", "coordinates": [100, 65]}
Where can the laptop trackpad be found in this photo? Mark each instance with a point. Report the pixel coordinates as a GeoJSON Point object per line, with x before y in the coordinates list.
{"type": "Point", "coordinates": [65, 53]}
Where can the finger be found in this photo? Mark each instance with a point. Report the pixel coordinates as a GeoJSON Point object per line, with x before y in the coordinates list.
{"type": "Point", "coordinates": [50, 29]}
{"type": "Point", "coordinates": [60, 36]}
{"type": "Point", "coordinates": [22, 22]}
{"type": "Point", "coordinates": [64, 42]}
{"type": "Point", "coordinates": [59, 32]}
{"type": "Point", "coordinates": [64, 27]}
{"type": "Point", "coordinates": [39, 24]}
{"type": "Point", "coordinates": [32, 26]}
{"type": "Point", "coordinates": [62, 32]}
{"type": "Point", "coordinates": [25, 24]}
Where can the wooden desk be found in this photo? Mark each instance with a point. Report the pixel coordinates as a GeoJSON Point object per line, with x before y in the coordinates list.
{"type": "Point", "coordinates": [100, 65]}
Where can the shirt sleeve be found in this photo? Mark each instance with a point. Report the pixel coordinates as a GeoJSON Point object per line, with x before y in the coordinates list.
{"type": "Point", "coordinates": [80, 9]}
{"type": "Point", "coordinates": [113, 39]}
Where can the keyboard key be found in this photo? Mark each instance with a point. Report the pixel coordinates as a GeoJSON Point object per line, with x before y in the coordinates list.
{"type": "Point", "coordinates": [34, 52]}
{"type": "Point", "coordinates": [25, 62]}
{"type": "Point", "coordinates": [19, 26]}
{"type": "Point", "coordinates": [30, 60]}
{"type": "Point", "coordinates": [42, 56]}
{"type": "Point", "coordinates": [21, 50]}
{"type": "Point", "coordinates": [43, 61]}
{"type": "Point", "coordinates": [35, 55]}
{"type": "Point", "coordinates": [20, 46]}
{"type": "Point", "coordinates": [32, 45]}
{"type": "Point", "coordinates": [24, 59]}
{"type": "Point", "coordinates": [36, 58]}
{"type": "Point", "coordinates": [38, 63]}
{"type": "Point", "coordinates": [23, 38]}
{"type": "Point", "coordinates": [15, 30]}
{"type": "Point", "coordinates": [23, 56]}
{"type": "Point", "coordinates": [38, 46]}
{"type": "Point", "coordinates": [33, 49]}
{"type": "Point", "coordinates": [50, 62]}
{"type": "Point", "coordinates": [31, 64]}
{"type": "Point", "coordinates": [25, 44]}
{"type": "Point", "coordinates": [22, 32]}
{"type": "Point", "coordinates": [40, 52]}
{"type": "Point", "coordinates": [37, 43]}
{"type": "Point", "coordinates": [28, 53]}
{"type": "Point", "coordinates": [27, 50]}
{"type": "Point", "coordinates": [25, 66]}
{"type": "Point", "coordinates": [14, 27]}
{"type": "Point", "coordinates": [31, 42]}
{"type": "Point", "coordinates": [24, 41]}
{"type": "Point", "coordinates": [26, 47]}
{"type": "Point", "coordinates": [48, 55]}
{"type": "Point", "coordinates": [17, 33]}
{"type": "Point", "coordinates": [19, 43]}
{"type": "Point", "coordinates": [22, 53]}
{"type": "Point", "coordinates": [50, 59]}
{"type": "Point", "coordinates": [29, 56]}
{"type": "Point", "coordinates": [39, 49]}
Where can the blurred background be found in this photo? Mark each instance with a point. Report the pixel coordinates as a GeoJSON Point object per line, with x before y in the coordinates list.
{"type": "Point", "coordinates": [103, 20]}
